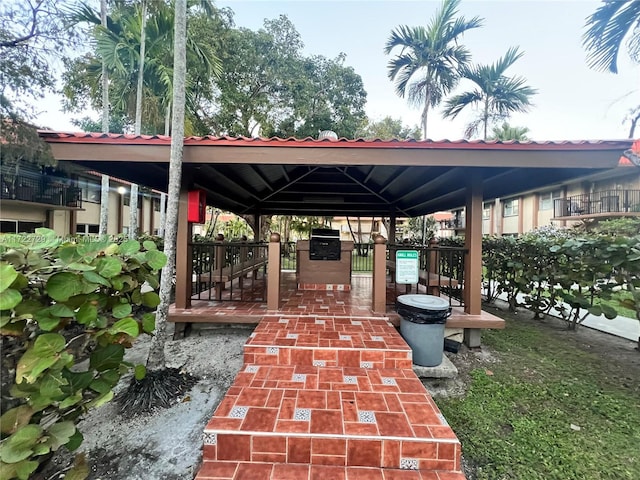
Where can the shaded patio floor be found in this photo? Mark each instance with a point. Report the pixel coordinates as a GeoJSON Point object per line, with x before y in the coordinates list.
{"type": "Point", "coordinates": [338, 303]}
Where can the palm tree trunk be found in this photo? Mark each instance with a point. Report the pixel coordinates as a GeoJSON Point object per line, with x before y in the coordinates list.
{"type": "Point", "coordinates": [425, 114]}
{"type": "Point", "coordinates": [156, 359]}
{"type": "Point", "coordinates": [104, 206]}
{"type": "Point", "coordinates": [163, 213]}
{"type": "Point", "coordinates": [133, 212]}
{"type": "Point", "coordinates": [167, 120]}
{"type": "Point", "coordinates": [105, 76]}
{"type": "Point", "coordinates": [143, 46]}
{"type": "Point", "coordinates": [486, 117]}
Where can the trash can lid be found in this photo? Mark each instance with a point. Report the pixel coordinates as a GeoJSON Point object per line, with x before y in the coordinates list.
{"type": "Point", "coordinates": [426, 302]}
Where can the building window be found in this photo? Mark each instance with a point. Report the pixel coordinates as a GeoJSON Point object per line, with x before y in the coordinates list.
{"type": "Point", "coordinates": [14, 226]}
{"type": "Point", "coordinates": [91, 192]}
{"type": "Point", "coordinates": [511, 208]}
{"type": "Point", "coordinates": [486, 211]}
{"type": "Point", "coordinates": [156, 204]}
{"type": "Point", "coordinates": [546, 199]}
{"type": "Point", "coordinates": [87, 229]}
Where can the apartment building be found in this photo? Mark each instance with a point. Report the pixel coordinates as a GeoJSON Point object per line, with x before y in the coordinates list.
{"type": "Point", "coordinates": [611, 194]}
{"type": "Point", "coordinates": [35, 197]}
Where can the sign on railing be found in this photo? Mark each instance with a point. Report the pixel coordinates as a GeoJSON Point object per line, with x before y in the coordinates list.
{"type": "Point", "coordinates": [407, 267]}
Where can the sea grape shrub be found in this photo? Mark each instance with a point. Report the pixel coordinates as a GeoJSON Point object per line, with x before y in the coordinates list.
{"type": "Point", "coordinates": [63, 301]}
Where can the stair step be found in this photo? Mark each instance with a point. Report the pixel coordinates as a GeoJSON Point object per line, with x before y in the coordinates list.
{"type": "Point", "coordinates": [336, 416]}
{"type": "Point", "coordinates": [277, 471]}
{"type": "Point", "coordinates": [327, 341]}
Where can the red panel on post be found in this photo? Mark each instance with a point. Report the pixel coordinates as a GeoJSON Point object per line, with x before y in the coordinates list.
{"type": "Point", "coordinates": [197, 206]}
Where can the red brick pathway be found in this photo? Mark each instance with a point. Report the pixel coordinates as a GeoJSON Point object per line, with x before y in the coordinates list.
{"type": "Point", "coordinates": [327, 392]}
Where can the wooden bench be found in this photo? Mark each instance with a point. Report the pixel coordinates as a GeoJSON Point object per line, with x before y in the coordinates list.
{"type": "Point", "coordinates": [219, 277]}
{"type": "Point", "coordinates": [433, 281]}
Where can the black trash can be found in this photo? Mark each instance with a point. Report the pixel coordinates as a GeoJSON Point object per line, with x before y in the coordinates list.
{"type": "Point", "coordinates": [422, 320]}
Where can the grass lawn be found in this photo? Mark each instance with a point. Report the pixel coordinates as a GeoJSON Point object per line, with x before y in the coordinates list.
{"type": "Point", "coordinates": [553, 407]}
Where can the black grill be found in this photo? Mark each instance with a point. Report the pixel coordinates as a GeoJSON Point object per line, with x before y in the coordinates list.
{"type": "Point", "coordinates": [324, 244]}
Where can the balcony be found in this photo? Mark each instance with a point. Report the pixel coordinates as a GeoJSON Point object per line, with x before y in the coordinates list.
{"type": "Point", "coordinates": [606, 203]}
{"type": "Point", "coordinates": [41, 189]}
{"type": "Point", "coordinates": [453, 224]}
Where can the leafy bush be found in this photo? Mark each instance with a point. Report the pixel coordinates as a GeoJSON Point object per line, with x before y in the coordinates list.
{"type": "Point", "coordinates": [62, 302]}
{"type": "Point", "coordinates": [575, 273]}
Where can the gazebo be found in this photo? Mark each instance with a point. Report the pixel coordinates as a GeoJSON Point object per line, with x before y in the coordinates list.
{"type": "Point", "coordinates": [328, 177]}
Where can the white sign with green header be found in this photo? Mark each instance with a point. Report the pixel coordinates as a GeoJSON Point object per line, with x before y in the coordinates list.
{"type": "Point", "coordinates": [407, 266]}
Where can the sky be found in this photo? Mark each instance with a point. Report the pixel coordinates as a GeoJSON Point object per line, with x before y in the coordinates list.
{"type": "Point", "coordinates": [573, 101]}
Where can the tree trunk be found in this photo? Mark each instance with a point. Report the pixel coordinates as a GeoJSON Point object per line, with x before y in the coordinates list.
{"type": "Point", "coordinates": [133, 212]}
{"type": "Point", "coordinates": [104, 206]}
{"type": "Point", "coordinates": [425, 113]}
{"type": "Point", "coordinates": [167, 120]}
{"type": "Point", "coordinates": [156, 359]}
{"type": "Point", "coordinates": [486, 117]}
{"type": "Point", "coordinates": [143, 46]}
{"type": "Point", "coordinates": [163, 213]}
{"type": "Point", "coordinates": [105, 77]}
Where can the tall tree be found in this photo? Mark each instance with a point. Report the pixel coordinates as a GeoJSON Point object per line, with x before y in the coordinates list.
{"type": "Point", "coordinates": [105, 86]}
{"type": "Point", "coordinates": [496, 94]}
{"type": "Point", "coordinates": [506, 132]}
{"type": "Point", "coordinates": [133, 45]}
{"type": "Point", "coordinates": [389, 128]}
{"type": "Point", "coordinates": [141, 59]}
{"type": "Point", "coordinates": [157, 360]}
{"type": "Point", "coordinates": [33, 35]}
{"type": "Point", "coordinates": [268, 88]}
{"type": "Point", "coordinates": [427, 67]}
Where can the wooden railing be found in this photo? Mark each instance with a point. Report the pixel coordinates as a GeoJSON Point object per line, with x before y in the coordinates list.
{"type": "Point", "coordinates": [441, 270]}
{"type": "Point", "coordinates": [598, 203]}
{"type": "Point", "coordinates": [229, 271]}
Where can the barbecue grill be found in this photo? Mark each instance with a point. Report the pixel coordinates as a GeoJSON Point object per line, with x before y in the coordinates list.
{"type": "Point", "coordinates": [324, 244]}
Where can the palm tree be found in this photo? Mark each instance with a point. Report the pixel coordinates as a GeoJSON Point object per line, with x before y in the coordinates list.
{"type": "Point", "coordinates": [608, 27]}
{"type": "Point", "coordinates": [137, 47]}
{"type": "Point", "coordinates": [427, 66]}
{"type": "Point", "coordinates": [506, 132]}
{"type": "Point", "coordinates": [497, 95]}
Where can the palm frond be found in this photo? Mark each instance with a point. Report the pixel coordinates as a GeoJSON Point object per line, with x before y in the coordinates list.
{"type": "Point", "coordinates": [607, 28]}
{"type": "Point", "coordinates": [457, 103]}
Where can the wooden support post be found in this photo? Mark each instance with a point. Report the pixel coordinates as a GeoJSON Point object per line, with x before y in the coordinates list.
{"type": "Point", "coordinates": [273, 273]}
{"type": "Point", "coordinates": [473, 244]}
{"type": "Point", "coordinates": [184, 252]}
{"type": "Point", "coordinates": [392, 228]}
{"type": "Point", "coordinates": [218, 265]}
{"type": "Point", "coordinates": [379, 274]}
{"type": "Point", "coordinates": [433, 266]}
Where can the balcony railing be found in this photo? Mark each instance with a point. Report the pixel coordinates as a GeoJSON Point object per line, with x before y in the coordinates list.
{"type": "Point", "coordinates": [454, 224]}
{"type": "Point", "coordinates": [598, 203]}
{"type": "Point", "coordinates": [41, 189]}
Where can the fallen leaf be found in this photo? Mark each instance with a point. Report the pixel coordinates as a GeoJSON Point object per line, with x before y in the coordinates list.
{"type": "Point", "coordinates": [489, 373]}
